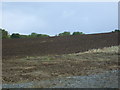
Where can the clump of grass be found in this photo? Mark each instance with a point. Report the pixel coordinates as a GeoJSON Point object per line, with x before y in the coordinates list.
{"type": "Point", "coordinates": [106, 54]}
{"type": "Point", "coordinates": [112, 49]}
{"type": "Point", "coordinates": [46, 58]}
{"type": "Point", "coordinates": [41, 58]}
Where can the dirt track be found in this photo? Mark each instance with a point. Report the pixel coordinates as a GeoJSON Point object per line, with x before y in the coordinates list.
{"type": "Point", "coordinates": [13, 48]}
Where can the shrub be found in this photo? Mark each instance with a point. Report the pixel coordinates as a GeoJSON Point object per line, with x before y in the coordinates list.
{"type": "Point", "coordinates": [77, 33]}
{"type": "Point", "coordinates": [64, 34]}
{"type": "Point", "coordinates": [3, 33]}
{"type": "Point", "coordinates": [33, 35]}
{"type": "Point", "coordinates": [116, 30]}
{"type": "Point", "coordinates": [15, 35]}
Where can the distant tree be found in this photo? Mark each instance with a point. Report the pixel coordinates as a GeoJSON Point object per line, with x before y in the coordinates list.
{"type": "Point", "coordinates": [33, 35]}
{"type": "Point", "coordinates": [77, 33]}
{"type": "Point", "coordinates": [39, 35]}
{"type": "Point", "coordinates": [64, 33]}
{"type": "Point", "coordinates": [15, 35]}
{"type": "Point", "coordinates": [3, 33]}
{"type": "Point", "coordinates": [116, 30]}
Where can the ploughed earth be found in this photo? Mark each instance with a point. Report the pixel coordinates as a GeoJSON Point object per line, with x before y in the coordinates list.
{"type": "Point", "coordinates": [48, 67]}
{"type": "Point", "coordinates": [22, 67]}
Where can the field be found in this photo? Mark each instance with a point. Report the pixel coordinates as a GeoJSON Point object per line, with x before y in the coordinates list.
{"type": "Point", "coordinates": [26, 60]}
{"type": "Point", "coordinates": [13, 48]}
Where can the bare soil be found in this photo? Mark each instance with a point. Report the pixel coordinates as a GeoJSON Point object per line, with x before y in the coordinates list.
{"type": "Point", "coordinates": [49, 67]}
{"type": "Point", "coordinates": [17, 48]}
{"type": "Point", "coordinates": [38, 59]}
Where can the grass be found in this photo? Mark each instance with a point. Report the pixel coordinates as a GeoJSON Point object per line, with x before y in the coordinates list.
{"type": "Point", "coordinates": [93, 54]}
{"type": "Point", "coordinates": [104, 54]}
{"type": "Point", "coordinates": [41, 58]}
{"type": "Point", "coordinates": [112, 50]}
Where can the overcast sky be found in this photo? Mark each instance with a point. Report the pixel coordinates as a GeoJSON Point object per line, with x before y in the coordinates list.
{"type": "Point", "coordinates": [56, 17]}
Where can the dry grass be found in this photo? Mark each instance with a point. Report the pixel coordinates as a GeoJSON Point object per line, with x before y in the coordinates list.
{"type": "Point", "coordinates": [104, 54]}
{"type": "Point", "coordinates": [112, 49]}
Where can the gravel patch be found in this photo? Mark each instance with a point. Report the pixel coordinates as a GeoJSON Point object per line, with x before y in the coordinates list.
{"type": "Point", "coordinates": [108, 79]}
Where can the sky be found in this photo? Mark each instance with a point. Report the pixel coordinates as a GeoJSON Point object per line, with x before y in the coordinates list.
{"type": "Point", "coordinates": [55, 17]}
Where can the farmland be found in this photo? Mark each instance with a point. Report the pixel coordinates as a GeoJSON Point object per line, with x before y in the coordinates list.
{"type": "Point", "coordinates": [13, 48]}
{"type": "Point", "coordinates": [36, 59]}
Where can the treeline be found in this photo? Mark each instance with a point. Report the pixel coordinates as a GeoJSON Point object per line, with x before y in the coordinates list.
{"type": "Point", "coordinates": [68, 33]}
{"type": "Point", "coordinates": [116, 30]}
{"type": "Point", "coordinates": [5, 34]}
{"type": "Point", "coordinates": [32, 35]}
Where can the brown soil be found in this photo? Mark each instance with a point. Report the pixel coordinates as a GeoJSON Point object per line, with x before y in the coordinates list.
{"type": "Point", "coordinates": [30, 69]}
{"type": "Point", "coordinates": [13, 48]}
{"type": "Point", "coordinates": [17, 68]}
